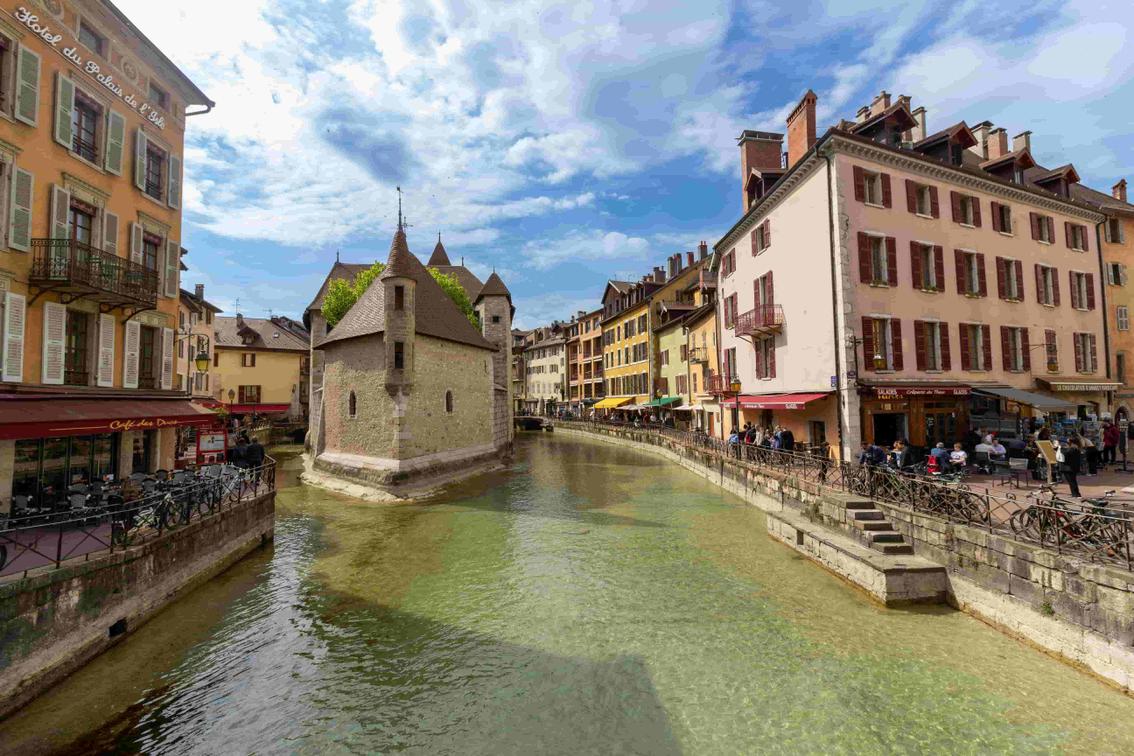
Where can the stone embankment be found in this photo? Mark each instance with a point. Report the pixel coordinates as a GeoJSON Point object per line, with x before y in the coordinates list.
{"type": "Point", "coordinates": [1080, 611]}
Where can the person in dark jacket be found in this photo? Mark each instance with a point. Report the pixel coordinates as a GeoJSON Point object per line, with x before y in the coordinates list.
{"type": "Point", "coordinates": [239, 454]}
{"type": "Point", "coordinates": [787, 440]}
{"type": "Point", "coordinates": [255, 457]}
{"type": "Point", "coordinates": [1072, 460]}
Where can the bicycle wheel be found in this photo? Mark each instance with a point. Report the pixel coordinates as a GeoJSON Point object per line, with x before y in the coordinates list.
{"type": "Point", "coordinates": [1026, 523]}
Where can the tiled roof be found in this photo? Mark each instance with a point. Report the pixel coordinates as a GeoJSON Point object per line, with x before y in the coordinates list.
{"type": "Point", "coordinates": [493, 287]}
{"type": "Point", "coordinates": [340, 270]}
{"type": "Point", "coordinates": [191, 299]}
{"type": "Point", "coordinates": [265, 335]}
{"type": "Point", "coordinates": [439, 256]}
{"type": "Point", "coordinates": [435, 314]}
{"type": "Point", "coordinates": [469, 282]}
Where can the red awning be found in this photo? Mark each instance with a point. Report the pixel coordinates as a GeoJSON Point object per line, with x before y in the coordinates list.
{"type": "Point", "coordinates": [776, 401]}
{"type": "Point", "coordinates": [54, 416]}
{"type": "Point", "coordinates": [263, 409]}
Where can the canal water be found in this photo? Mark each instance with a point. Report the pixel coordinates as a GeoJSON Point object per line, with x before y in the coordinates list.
{"type": "Point", "coordinates": [589, 600]}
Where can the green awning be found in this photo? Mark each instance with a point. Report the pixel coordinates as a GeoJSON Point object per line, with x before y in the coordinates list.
{"type": "Point", "coordinates": [665, 401]}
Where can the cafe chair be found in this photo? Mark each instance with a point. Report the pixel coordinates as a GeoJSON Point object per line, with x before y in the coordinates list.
{"type": "Point", "coordinates": [983, 463]}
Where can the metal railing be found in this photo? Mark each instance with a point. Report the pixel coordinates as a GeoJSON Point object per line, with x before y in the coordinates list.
{"type": "Point", "coordinates": [1099, 529]}
{"type": "Point", "coordinates": [761, 319]}
{"type": "Point", "coordinates": [71, 263]}
{"type": "Point", "coordinates": [718, 383]}
{"type": "Point", "coordinates": [116, 517]}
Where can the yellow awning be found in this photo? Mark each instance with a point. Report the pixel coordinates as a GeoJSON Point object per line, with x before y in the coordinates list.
{"type": "Point", "coordinates": [612, 402]}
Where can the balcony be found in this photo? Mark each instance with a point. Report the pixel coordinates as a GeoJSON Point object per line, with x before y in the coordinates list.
{"type": "Point", "coordinates": [82, 271]}
{"type": "Point", "coordinates": [717, 384]}
{"type": "Point", "coordinates": [698, 354]}
{"type": "Point", "coordinates": [759, 321]}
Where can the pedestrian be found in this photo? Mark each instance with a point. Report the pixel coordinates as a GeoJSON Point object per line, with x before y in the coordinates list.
{"type": "Point", "coordinates": [1072, 459]}
{"type": "Point", "coordinates": [1110, 443]}
{"type": "Point", "coordinates": [1091, 452]}
{"type": "Point", "coordinates": [239, 454]}
{"type": "Point", "coordinates": [872, 455]}
{"type": "Point", "coordinates": [255, 457]}
{"type": "Point", "coordinates": [787, 439]}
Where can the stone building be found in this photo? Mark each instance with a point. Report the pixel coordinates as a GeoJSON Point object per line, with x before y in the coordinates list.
{"type": "Point", "coordinates": [412, 393]}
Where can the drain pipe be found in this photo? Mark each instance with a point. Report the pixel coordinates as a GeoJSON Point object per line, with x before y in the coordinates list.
{"type": "Point", "coordinates": [835, 306]}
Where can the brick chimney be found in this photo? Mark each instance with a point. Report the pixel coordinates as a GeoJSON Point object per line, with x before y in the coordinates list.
{"type": "Point", "coordinates": [862, 114]}
{"type": "Point", "coordinates": [659, 274]}
{"type": "Point", "coordinates": [703, 249]}
{"type": "Point", "coordinates": [199, 291]}
{"type": "Point", "coordinates": [671, 265]}
{"type": "Point", "coordinates": [997, 143]}
{"type": "Point", "coordinates": [1022, 141]}
{"type": "Point", "coordinates": [761, 150]}
{"type": "Point", "coordinates": [919, 132]}
{"type": "Point", "coordinates": [801, 128]}
{"type": "Point", "coordinates": [1118, 191]}
{"type": "Point", "coordinates": [689, 259]}
{"type": "Point", "coordinates": [980, 133]}
{"type": "Point", "coordinates": [880, 103]}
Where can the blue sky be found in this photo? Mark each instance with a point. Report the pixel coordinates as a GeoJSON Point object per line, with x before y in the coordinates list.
{"type": "Point", "coordinates": [566, 143]}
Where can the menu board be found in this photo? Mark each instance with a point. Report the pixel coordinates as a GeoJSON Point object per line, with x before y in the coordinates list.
{"type": "Point", "coordinates": [211, 442]}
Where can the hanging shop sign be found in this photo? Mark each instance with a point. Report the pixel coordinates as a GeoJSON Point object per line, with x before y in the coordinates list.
{"type": "Point", "coordinates": [89, 67]}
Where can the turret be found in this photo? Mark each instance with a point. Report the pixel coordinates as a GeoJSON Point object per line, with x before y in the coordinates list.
{"type": "Point", "coordinates": [493, 306]}
{"type": "Point", "coordinates": [399, 292]}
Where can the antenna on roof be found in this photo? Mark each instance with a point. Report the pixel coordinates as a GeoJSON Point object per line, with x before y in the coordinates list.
{"type": "Point", "coordinates": [400, 224]}
{"type": "Point", "coordinates": [336, 255]}
{"type": "Point", "coordinates": [237, 305]}
{"type": "Point", "coordinates": [438, 237]}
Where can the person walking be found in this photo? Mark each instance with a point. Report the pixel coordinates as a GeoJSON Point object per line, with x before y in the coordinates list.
{"type": "Point", "coordinates": [1110, 438]}
{"type": "Point", "coordinates": [1091, 452]}
{"type": "Point", "coordinates": [1072, 459]}
{"type": "Point", "coordinates": [239, 454]}
{"type": "Point", "coordinates": [255, 456]}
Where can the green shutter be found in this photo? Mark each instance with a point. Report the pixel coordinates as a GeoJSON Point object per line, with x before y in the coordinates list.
{"type": "Point", "coordinates": [140, 159]}
{"type": "Point", "coordinates": [19, 224]}
{"type": "Point", "coordinates": [60, 212]}
{"type": "Point", "coordinates": [115, 142]}
{"type": "Point", "coordinates": [172, 262]}
{"type": "Point", "coordinates": [174, 195]}
{"type": "Point", "coordinates": [27, 87]}
{"type": "Point", "coordinates": [64, 106]}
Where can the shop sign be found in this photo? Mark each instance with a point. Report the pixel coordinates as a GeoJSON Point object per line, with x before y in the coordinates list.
{"type": "Point", "coordinates": [90, 67]}
{"type": "Point", "coordinates": [896, 392]}
{"type": "Point", "coordinates": [143, 424]}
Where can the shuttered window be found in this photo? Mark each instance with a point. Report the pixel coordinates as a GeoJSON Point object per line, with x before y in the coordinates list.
{"type": "Point", "coordinates": [976, 346]}
{"type": "Point", "coordinates": [1122, 317]}
{"type": "Point", "coordinates": [971, 280]}
{"type": "Point", "coordinates": [877, 260]}
{"type": "Point", "coordinates": [931, 345]}
{"type": "Point", "coordinates": [19, 226]}
{"type": "Point", "coordinates": [882, 344]}
{"type": "Point", "coordinates": [15, 311]}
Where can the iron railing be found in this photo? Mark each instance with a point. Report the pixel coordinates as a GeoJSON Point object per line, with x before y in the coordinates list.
{"type": "Point", "coordinates": [761, 319]}
{"type": "Point", "coordinates": [718, 383]}
{"type": "Point", "coordinates": [1100, 530]}
{"type": "Point", "coordinates": [69, 263]}
{"type": "Point", "coordinates": [117, 517]}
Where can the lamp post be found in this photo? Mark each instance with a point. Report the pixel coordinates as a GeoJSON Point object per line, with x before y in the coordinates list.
{"type": "Point", "coordinates": [734, 384]}
{"type": "Point", "coordinates": [201, 361]}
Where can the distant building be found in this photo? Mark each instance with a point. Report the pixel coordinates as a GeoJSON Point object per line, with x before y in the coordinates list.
{"type": "Point", "coordinates": [194, 338]}
{"type": "Point", "coordinates": [261, 367]}
{"type": "Point", "coordinates": [545, 369]}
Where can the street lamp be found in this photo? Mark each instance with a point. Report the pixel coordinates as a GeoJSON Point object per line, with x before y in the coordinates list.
{"type": "Point", "coordinates": [734, 384]}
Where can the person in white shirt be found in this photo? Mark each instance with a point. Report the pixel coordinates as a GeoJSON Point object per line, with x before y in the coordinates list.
{"type": "Point", "coordinates": [958, 457]}
{"type": "Point", "coordinates": [984, 447]}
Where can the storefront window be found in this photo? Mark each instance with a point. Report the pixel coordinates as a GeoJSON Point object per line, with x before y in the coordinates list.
{"type": "Point", "coordinates": [25, 475]}
{"type": "Point", "coordinates": [143, 450]}
{"type": "Point", "coordinates": [45, 468]}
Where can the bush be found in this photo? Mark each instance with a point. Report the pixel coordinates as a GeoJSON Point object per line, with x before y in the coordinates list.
{"type": "Point", "coordinates": [342, 294]}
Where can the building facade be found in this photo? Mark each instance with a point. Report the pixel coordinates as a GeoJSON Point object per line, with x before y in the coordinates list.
{"type": "Point", "coordinates": [1118, 254]}
{"type": "Point", "coordinates": [626, 341]}
{"type": "Point", "coordinates": [545, 370]}
{"type": "Point", "coordinates": [195, 339]}
{"type": "Point", "coordinates": [92, 124]}
{"type": "Point", "coordinates": [584, 360]}
{"type": "Point", "coordinates": [261, 368]}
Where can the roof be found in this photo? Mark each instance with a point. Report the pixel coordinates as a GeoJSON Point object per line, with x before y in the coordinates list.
{"type": "Point", "coordinates": [265, 335]}
{"type": "Point", "coordinates": [339, 271]}
{"type": "Point", "coordinates": [493, 287]}
{"type": "Point", "coordinates": [469, 282]}
{"type": "Point", "coordinates": [709, 308]}
{"type": "Point", "coordinates": [439, 256]}
{"type": "Point", "coordinates": [191, 298]}
{"type": "Point", "coordinates": [959, 129]}
{"type": "Point", "coordinates": [435, 314]}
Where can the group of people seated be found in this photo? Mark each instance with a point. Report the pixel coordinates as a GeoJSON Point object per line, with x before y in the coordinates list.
{"type": "Point", "coordinates": [986, 452]}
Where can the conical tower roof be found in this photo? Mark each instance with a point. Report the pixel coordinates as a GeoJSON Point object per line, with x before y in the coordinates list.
{"type": "Point", "coordinates": [493, 287]}
{"type": "Point", "coordinates": [439, 256]}
{"type": "Point", "coordinates": [400, 262]}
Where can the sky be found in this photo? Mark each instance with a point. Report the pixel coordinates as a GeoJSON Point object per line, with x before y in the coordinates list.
{"type": "Point", "coordinates": [563, 144]}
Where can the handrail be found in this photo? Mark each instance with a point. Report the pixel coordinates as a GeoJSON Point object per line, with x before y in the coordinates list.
{"type": "Point", "coordinates": [67, 261]}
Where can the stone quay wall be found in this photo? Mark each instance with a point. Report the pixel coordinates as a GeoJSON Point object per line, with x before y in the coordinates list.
{"type": "Point", "coordinates": [55, 620]}
{"type": "Point", "coordinates": [1080, 611]}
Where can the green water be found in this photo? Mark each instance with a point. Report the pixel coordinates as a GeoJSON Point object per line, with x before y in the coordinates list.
{"type": "Point", "coordinates": [590, 600]}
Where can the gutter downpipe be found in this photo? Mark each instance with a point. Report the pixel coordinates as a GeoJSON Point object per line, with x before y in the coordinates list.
{"type": "Point", "coordinates": [208, 109]}
{"type": "Point", "coordinates": [834, 304]}
{"type": "Point", "coordinates": [1102, 297]}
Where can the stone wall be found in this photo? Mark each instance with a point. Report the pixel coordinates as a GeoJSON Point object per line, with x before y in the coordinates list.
{"type": "Point", "coordinates": [1079, 611]}
{"type": "Point", "coordinates": [55, 620]}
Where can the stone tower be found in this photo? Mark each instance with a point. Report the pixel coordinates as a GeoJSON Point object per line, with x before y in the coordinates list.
{"type": "Point", "coordinates": [494, 308]}
{"type": "Point", "coordinates": [399, 290]}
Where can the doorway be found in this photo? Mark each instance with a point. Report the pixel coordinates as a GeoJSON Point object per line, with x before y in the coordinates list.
{"type": "Point", "coordinates": [889, 427]}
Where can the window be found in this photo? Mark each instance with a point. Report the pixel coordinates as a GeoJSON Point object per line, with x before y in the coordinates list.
{"type": "Point", "coordinates": [495, 318]}
{"type": "Point", "coordinates": [1082, 290]}
{"type": "Point", "coordinates": [86, 115]}
{"type": "Point", "coordinates": [765, 358]}
{"type": "Point", "coordinates": [1047, 285]}
{"type": "Point", "coordinates": [82, 222]}
{"type": "Point", "coordinates": [642, 324]}
{"type": "Point", "coordinates": [730, 363]}
{"type": "Point", "coordinates": [1115, 234]}
{"type": "Point", "coordinates": [1014, 348]}
{"type": "Point", "coordinates": [881, 343]}
{"type": "Point", "coordinates": [922, 199]}
{"type": "Point", "coordinates": [399, 297]}
{"type": "Point", "coordinates": [966, 209]}
{"type": "Point", "coordinates": [1122, 317]}
{"type": "Point", "coordinates": [1001, 218]}
{"type": "Point", "coordinates": [91, 39]}
{"type": "Point", "coordinates": [877, 260]}
{"type": "Point", "coordinates": [449, 402]}
{"type": "Point", "coordinates": [248, 359]}
{"type": "Point", "coordinates": [1076, 236]}
{"type": "Point", "coordinates": [151, 246]}
{"type": "Point", "coordinates": [248, 394]}
{"type": "Point", "coordinates": [761, 237]}
{"type": "Point", "coordinates": [931, 340]}
{"type": "Point", "coordinates": [1086, 354]}
{"type": "Point", "coordinates": [75, 349]}
{"type": "Point", "coordinates": [728, 263]}
{"type": "Point", "coordinates": [216, 359]}
{"type": "Point", "coordinates": [399, 355]}
{"type": "Point", "coordinates": [976, 347]}
{"type": "Point", "coordinates": [871, 187]}
{"type": "Point", "coordinates": [1116, 274]}
{"type": "Point", "coordinates": [1052, 351]}
{"type": "Point", "coordinates": [970, 274]}
{"type": "Point", "coordinates": [1009, 275]}
{"type": "Point", "coordinates": [159, 96]}
{"type": "Point", "coordinates": [155, 171]}
{"type": "Point", "coordinates": [927, 262]}
{"type": "Point", "coordinates": [1043, 228]}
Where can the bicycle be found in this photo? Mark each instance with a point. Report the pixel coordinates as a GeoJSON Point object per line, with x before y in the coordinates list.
{"type": "Point", "coordinates": [1089, 521]}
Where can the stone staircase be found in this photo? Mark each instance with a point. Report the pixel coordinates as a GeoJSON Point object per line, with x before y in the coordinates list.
{"type": "Point", "coordinates": [871, 527]}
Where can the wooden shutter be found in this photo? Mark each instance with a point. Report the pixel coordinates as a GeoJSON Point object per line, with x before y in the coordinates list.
{"type": "Point", "coordinates": [760, 359]}
{"type": "Point", "coordinates": [911, 196]}
{"type": "Point", "coordinates": [106, 329]}
{"type": "Point", "coordinates": [54, 341]}
{"type": "Point", "coordinates": [136, 242]}
{"type": "Point", "coordinates": [140, 158]}
{"type": "Point", "coordinates": [868, 343]}
{"type": "Point", "coordinates": [896, 343]}
{"type": "Point", "coordinates": [1019, 266]}
{"type": "Point", "coordinates": [966, 354]}
{"type": "Point", "coordinates": [15, 311]}
{"type": "Point", "coordinates": [946, 357]}
{"type": "Point", "coordinates": [1039, 283]}
{"type": "Point", "coordinates": [64, 106]}
{"type": "Point", "coordinates": [959, 264]}
{"type": "Point", "coordinates": [982, 281]}
{"type": "Point", "coordinates": [976, 211]}
{"type": "Point", "coordinates": [115, 142]}
{"type": "Point", "coordinates": [1026, 349]}
{"type": "Point", "coordinates": [1074, 289]}
{"type": "Point", "coordinates": [891, 261]}
{"type": "Point", "coordinates": [919, 328]}
{"type": "Point", "coordinates": [1006, 347]}
{"type": "Point", "coordinates": [934, 205]}
{"type": "Point", "coordinates": [1078, 352]}
{"type": "Point", "coordinates": [939, 266]}
{"type": "Point", "coordinates": [20, 221]}
{"type": "Point", "coordinates": [27, 87]}
{"type": "Point", "coordinates": [915, 264]}
{"type": "Point", "coordinates": [887, 197]}
{"type": "Point", "coordinates": [172, 261]}
{"type": "Point", "coordinates": [131, 347]}
{"type": "Point", "coordinates": [1067, 234]}
{"type": "Point", "coordinates": [1055, 287]}
{"type": "Point", "coordinates": [166, 359]}
{"type": "Point", "coordinates": [769, 289]}
{"type": "Point", "coordinates": [986, 331]}
{"type": "Point", "coordinates": [1122, 274]}
{"type": "Point", "coordinates": [752, 241]}
{"type": "Point", "coordinates": [757, 300]}
{"type": "Point", "coordinates": [1035, 221]}
{"type": "Point", "coordinates": [865, 266]}
{"type": "Point", "coordinates": [1090, 291]}
{"type": "Point", "coordinates": [60, 212]}
{"type": "Point", "coordinates": [955, 202]}
{"type": "Point", "coordinates": [1001, 278]}
{"type": "Point", "coordinates": [859, 184]}
{"type": "Point", "coordinates": [995, 216]}
{"type": "Point", "coordinates": [772, 357]}
{"type": "Point", "coordinates": [1093, 366]}
{"type": "Point", "coordinates": [110, 233]}
{"type": "Point", "coordinates": [767, 233]}
{"type": "Point", "coordinates": [1052, 350]}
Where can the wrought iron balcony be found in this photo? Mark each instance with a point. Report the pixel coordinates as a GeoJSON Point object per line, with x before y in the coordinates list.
{"type": "Point", "coordinates": [718, 384]}
{"type": "Point", "coordinates": [759, 321]}
{"type": "Point", "coordinates": [71, 267]}
{"type": "Point", "coordinates": [698, 354]}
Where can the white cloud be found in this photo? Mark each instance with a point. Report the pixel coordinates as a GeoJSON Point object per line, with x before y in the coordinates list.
{"type": "Point", "coordinates": [579, 246]}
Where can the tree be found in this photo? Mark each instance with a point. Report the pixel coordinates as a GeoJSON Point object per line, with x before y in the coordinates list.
{"type": "Point", "coordinates": [342, 294]}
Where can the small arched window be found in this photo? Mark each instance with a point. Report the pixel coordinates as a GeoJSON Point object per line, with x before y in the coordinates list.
{"type": "Point", "coordinates": [449, 402]}
{"type": "Point", "coordinates": [352, 406]}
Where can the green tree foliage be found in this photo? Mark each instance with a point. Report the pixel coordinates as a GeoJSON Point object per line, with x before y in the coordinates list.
{"type": "Point", "coordinates": [342, 294]}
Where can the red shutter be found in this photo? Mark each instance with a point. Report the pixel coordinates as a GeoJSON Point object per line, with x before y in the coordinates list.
{"type": "Point", "coordinates": [1086, 239]}
{"type": "Point", "coordinates": [934, 205]}
{"type": "Point", "coordinates": [1094, 354]}
{"type": "Point", "coordinates": [959, 260]}
{"type": "Point", "coordinates": [966, 355]}
{"type": "Point", "coordinates": [911, 196]}
{"type": "Point", "coordinates": [1050, 227]}
{"type": "Point", "coordinates": [768, 233]}
{"type": "Point", "coordinates": [1090, 291]}
{"type": "Point", "coordinates": [1039, 281]}
{"type": "Point", "coordinates": [756, 301]}
{"type": "Point", "coordinates": [1026, 349]}
{"type": "Point", "coordinates": [864, 267]}
{"type": "Point", "coordinates": [887, 197]}
{"type": "Point", "coordinates": [981, 279]}
{"type": "Point", "coordinates": [752, 241]}
{"type": "Point", "coordinates": [976, 211]}
{"type": "Point", "coordinates": [1019, 278]}
{"type": "Point", "coordinates": [939, 266]}
{"type": "Point", "coordinates": [915, 264]}
{"type": "Point", "coordinates": [946, 358]}
{"type": "Point", "coordinates": [1001, 278]}
{"type": "Point", "coordinates": [892, 261]}
{"type": "Point", "coordinates": [1078, 353]}
{"type": "Point", "coordinates": [759, 359]}
{"type": "Point", "coordinates": [1052, 350]}
{"type": "Point", "coordinates": [955, 201]}
{"type": "Point", "coordinates": [1035, 219]}
{"type": "Point", "coordinates": [1006, 347]}
{"type": "Point", "coordinates": [1067, 234]}
{"type": "Point", "coordinates": [995, 215]}
{"type": "Point", "coordinates": [896, 343]}
{"type": "Point", "coordinates": [868, 343]}
{"type": "Point", "coordinates": [1074, 289]}
{"type": "Point", "coordinates": [772, 357]}
{"type": "Point", "coordinates": [1055, 287]}
{"type": "Point", "coordinates": [859, 184]}
{"type": "Point", "coordinates": [987, 331]}
{"type": "Point", "coordinates": [769, 291]}
{"type": "Point", "coordinates": [919, 344]}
